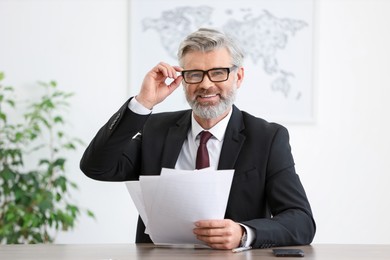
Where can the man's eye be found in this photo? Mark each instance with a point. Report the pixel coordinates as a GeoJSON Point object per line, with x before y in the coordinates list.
{"type": "Point", "coordinates": [195, 75]}
{"type": "Point", "coordinates": [217, 73]}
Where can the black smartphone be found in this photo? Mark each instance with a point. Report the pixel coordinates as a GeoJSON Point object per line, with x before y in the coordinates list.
{"type": "Point", "coordinates": [291, 252]}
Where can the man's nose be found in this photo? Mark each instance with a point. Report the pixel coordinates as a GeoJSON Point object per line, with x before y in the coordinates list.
{"type": "Point", "coordinates": [206, 82]}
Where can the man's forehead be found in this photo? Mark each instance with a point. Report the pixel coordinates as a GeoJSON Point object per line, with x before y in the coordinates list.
{"type": "Point", "coordinates": [206, 60]}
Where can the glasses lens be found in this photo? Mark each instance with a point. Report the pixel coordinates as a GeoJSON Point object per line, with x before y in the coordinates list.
{"type": "Point", "coordinates": [193, 76]}
{"type": "Point", "coordinates": [220, 74]}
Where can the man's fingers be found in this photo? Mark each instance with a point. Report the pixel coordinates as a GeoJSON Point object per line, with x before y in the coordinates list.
{"type": "Point", "coordinates": [219, 234]}
{"type": "Point", "coordinates": [218, 242]}
{"type": "Point", "coordinates": [176, 83]}
{"type": "Point", "coordinates": [168, 71]}
{"type": "Point", "coordinates": [213, 232]}
{"type": "Point", "coordinates": [215, 223]}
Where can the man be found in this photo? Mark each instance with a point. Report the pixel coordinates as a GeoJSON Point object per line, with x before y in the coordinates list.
{"type": "Point", "coordinates": [267, 205]}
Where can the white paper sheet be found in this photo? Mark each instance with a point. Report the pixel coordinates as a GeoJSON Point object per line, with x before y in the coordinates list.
{"type": "Point", "coordinates": [173, 201]}
{"type": "Point", "coordinates": [134, 188]}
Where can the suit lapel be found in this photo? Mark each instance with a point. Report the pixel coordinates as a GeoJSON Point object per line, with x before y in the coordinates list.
{"type": "Point", "coordinates": [233, 141]}
{"type": "Point", "coordinates": [175, 139]}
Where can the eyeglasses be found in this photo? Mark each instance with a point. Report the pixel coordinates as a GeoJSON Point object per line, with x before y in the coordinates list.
{"type": "Point", "coordinates": [215, 75]}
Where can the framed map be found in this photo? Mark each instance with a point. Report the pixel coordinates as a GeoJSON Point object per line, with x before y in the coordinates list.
{"type": "Point", "coordinates": [276, 35]}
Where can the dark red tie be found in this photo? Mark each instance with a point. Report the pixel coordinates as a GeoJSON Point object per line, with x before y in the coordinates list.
{"type": "Point", "coordinates": [202, 157]}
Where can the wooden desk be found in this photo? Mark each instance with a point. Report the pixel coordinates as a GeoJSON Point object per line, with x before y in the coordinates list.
{"type": "Point", "coordinates": [147, 251]}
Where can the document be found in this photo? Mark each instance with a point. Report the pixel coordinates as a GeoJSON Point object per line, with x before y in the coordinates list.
{"type": "Point", "coordinates": [170, 204]}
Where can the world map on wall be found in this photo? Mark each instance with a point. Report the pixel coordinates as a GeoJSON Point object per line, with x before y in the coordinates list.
{"type": "Point", "coordinates": [261, 35]}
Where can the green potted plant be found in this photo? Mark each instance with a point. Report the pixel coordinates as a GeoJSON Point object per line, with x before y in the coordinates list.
{"type": "Point", "coordinates": [35, 202]}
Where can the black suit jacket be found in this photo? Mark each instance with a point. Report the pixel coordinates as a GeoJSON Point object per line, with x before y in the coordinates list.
{"type": "Point", "coordinates": [266, 193]}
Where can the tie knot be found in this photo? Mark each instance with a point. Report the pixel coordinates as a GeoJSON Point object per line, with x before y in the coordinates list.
{"type": "Point", "coordinates": [205, 136]}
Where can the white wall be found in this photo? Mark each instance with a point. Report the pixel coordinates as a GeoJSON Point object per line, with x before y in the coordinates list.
{"type": "Point", "coordinates": [82, 44]}
{"type": "Point", "coordinates": [342, 158]}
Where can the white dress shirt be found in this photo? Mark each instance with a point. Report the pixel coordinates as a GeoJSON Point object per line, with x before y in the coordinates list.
{"type": "Point", "coordinates": [187, 156]}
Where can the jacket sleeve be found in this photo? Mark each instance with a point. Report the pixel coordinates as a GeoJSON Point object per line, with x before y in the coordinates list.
{"type": "Point", "coordinates": [114, 153]}
{"type": "Point", "coordinates": [291, 221]}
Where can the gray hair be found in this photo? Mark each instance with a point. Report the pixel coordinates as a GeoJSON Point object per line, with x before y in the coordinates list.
{"type": "Point", "coordinates": [206, 40]}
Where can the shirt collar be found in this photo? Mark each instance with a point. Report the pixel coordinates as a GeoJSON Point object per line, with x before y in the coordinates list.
{"type": "Point", "coordinates": [218, 131]}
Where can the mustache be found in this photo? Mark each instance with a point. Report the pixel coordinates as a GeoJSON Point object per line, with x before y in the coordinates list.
{"type": "Point", "coordinates": [203, 92]}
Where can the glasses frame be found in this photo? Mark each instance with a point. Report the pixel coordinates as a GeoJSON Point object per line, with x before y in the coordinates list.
{"type": "Point", "coordinates": [206, 72]}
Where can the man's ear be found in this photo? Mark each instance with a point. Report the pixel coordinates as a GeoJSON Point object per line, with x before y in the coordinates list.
{"type": "Point", "coordinates": [240, 76]}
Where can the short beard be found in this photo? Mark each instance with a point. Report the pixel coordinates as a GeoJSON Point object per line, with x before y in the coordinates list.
{"type": "Point", "coordinates": [209, 111]}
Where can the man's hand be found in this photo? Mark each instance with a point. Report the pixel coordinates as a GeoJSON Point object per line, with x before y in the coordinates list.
{"type": "Point", "coordinates": [219, 234]}
{"type": "Point", "coordinates": [154, 88]}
